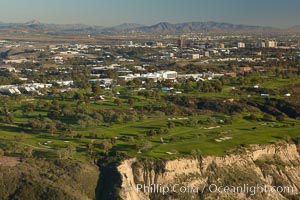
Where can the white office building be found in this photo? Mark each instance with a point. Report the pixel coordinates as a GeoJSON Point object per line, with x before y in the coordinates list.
{"type": "Point", "coordinates": [241, 45]}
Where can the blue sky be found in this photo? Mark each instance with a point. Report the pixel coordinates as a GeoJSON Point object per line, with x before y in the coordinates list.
{"type": "Point", "coordinates": [278, 13]}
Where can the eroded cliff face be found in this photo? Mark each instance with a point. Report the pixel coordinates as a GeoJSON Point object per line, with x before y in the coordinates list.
{"type": "Point", "coordinates": [264, 165]}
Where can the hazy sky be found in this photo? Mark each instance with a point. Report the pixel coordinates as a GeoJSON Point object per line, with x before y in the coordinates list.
{"type": "Point", "coordinates": [279, 13]}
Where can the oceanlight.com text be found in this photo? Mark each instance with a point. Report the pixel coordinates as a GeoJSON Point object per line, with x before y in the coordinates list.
{"type": "Point", "coordinates": [213, 188]}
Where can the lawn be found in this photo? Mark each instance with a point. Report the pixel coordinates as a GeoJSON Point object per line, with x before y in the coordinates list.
{"type": "Point", "coordinates": [180, 140]}
{"type": "Point", "coordinates": [211, 138]}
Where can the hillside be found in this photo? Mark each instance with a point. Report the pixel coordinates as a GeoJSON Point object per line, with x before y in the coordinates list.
{"type": "Point", "coordinates": [36, 179]}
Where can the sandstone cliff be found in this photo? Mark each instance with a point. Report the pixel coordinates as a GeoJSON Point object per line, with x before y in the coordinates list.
{"type": "Point", "coordinates": [276, 166]}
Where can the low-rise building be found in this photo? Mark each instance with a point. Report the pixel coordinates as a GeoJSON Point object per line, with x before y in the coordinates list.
{"type": "Point", "coordinates": [241, 45]}
{"type": "Point", "coordinates": [7, 68]}
{"type": "Point", "coordinates": [9, 89]}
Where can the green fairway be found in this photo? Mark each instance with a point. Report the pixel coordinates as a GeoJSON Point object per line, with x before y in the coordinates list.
{"type": "Point", "coordinates": [180, 140]}
{"type": "Point", "coordinates": [149, 123]}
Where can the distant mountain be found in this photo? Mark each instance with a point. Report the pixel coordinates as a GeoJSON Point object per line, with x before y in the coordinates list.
{"type": "Point", "coordinates": [72, 26]}
{"type": "Point", "coordinates": [165, 27]}
{"type": "Point", "coordinates": [125, 26]}
{"type": "Point", "coordinates": [297, 27]}
{"type": "Point", "coordinates": [160, 28]}
{"type": "Point", "coordinates": [33, 22]}
{"type": "Point", "coordinates": [37, 26]}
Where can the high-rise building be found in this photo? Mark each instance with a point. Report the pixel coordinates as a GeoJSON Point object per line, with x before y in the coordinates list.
{"type": "Point", "coordinates": [180, 43]}
{"type": "Point", "coordinates": [271, 44]}
{"type": "Point", "coordinates": [222, 46]}
{"type": "Point", "coordinates": [261, 45]}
